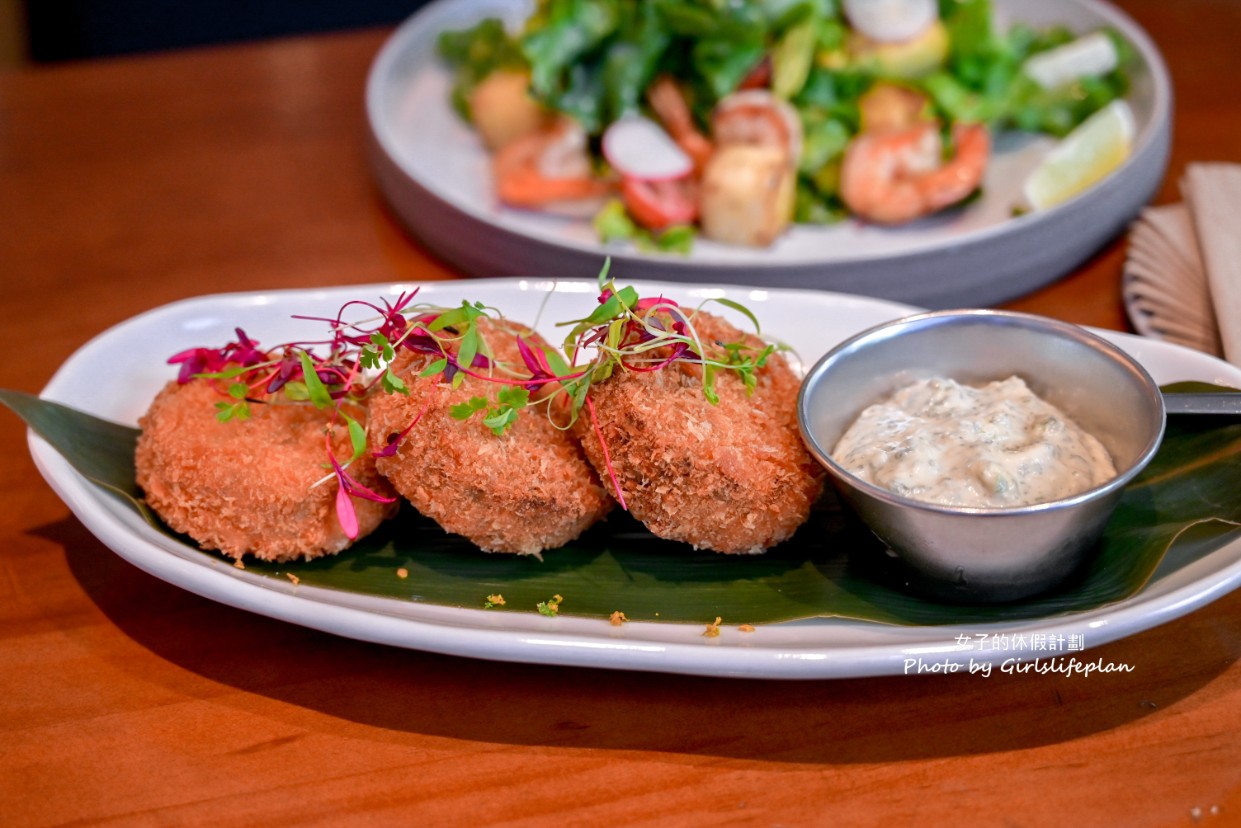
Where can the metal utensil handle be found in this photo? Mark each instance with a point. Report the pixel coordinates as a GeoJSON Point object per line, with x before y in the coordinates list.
{"type": "Point", "coordinates": [1218, 402]}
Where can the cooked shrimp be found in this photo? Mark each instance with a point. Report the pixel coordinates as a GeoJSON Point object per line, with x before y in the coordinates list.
{"type": "Point", "coordinates": [895, 177]}
{"type": "Point", "coordinates": [670, 106]}
{"type": "Point", "coordinates": [547, 166]}
{"type": "Point", "coordinates": [756, 117]}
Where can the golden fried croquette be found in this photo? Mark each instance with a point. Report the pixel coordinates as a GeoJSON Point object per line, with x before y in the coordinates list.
{"type": "Point", "coordinates": [527, 490]}
{"type": "Point", "coordinates": [245, 486]}
{"type": "Point", "coordinates": [734, 477]}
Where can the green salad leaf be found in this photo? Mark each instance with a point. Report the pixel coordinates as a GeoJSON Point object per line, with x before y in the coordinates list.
{"type": "Point", "coordinates": [474, 54]}
{"type": "Point", "coordinates": [594, 60]}
{"type": "Point", "coordinates": [983, 80]}
{"type": "Point", "coordinates": [613, 224]}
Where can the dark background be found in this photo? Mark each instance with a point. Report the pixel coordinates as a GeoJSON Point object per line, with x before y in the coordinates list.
{"type": "Point", "coordinates": [61, 30]}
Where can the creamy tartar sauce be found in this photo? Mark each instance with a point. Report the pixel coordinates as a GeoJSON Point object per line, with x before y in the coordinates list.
{"type": "Point", "coordinates": [992, 446]}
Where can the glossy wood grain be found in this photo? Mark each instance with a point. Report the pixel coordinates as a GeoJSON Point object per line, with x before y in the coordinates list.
{"type": "Point", "coordinates": [129, 183]}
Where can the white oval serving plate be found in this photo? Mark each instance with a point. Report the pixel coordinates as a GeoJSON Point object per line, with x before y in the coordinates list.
{"type": "Point", "coordinates": [124, 367]}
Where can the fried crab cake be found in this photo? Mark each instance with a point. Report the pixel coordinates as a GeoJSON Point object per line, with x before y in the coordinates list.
{"type": "Point", "coordinates": [734, 477]}
{"type": "Point", "coordinates": [527, 490]}
{"type": "Point", "coordinates": [247, 486]}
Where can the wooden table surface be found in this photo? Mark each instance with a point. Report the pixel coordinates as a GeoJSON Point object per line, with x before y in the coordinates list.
{"type": "Point", "coordinates": [129, 183]}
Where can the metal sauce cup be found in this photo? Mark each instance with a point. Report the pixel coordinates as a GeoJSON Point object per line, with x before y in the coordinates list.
{"type": "Point", "coordinates": [986, 554]}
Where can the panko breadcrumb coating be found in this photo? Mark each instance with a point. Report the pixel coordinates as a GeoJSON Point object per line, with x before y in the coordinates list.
{"type": "Point", "coordinates": [527, 490]}
{"type": "Point", "coordinates": [733, 477]}
{"type": "Point", "coordinates": [244, 486]}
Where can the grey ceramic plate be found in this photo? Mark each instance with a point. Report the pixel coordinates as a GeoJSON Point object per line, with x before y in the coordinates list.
{"type": "Point", "coordinates": [434, 172]}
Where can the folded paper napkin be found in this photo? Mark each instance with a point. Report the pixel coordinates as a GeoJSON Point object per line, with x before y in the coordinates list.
{"type": "Point", "coordinates": [1182, 277]}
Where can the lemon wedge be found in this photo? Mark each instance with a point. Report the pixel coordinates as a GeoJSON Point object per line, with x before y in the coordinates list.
{"type": "Point", "coordinates": [1098, 145]}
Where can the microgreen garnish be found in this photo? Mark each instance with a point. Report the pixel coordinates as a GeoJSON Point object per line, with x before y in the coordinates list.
{"type": "Point", "coordinates": [607, 455]}
{"type": "Point", "coordinates": [294, 373]}
{"type": "Point", "coordinates": [465, 410]}
{"type": "Point", "coordinates": [232, 411]}
{"type": "Point", "coordinates": [550, 607]}
{"type": "Point", "coordinates": [357, 436]}
{"type": "Point", "coordinates": [634, 333]}
{"type": "Point", "coordinates": [359, 362]}
{"type": "Point", "coordinates": [628, 332]}
{"type": "Point", "coordinates": [625, 332]}
{"type": "Point", "coordinates": [347, 489]}
{"type": "Point", "coordinates": [434, 368]}
{"type": "Point", "coordinates": [318, 392]}
{"type": "Point", "coordinates": [378, 355]}
{"type": "Point", "coordinates": [510, 400]}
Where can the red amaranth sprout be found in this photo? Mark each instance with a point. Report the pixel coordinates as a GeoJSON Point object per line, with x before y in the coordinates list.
{"type": "Point", "coordinates": [625, 331]}
{"type": "Point", "coordinates": [632, 333]}
{"type": "Point", "coordinates": [359, 362]}
{"type": "Point", "coordinates": [347, 489]}
{"type": "Point", "coordinates": [243, 353]}
{"type": "Point", "coordinates": [293, 373]}
{"type": "Point", "coordinates": [393, 441]}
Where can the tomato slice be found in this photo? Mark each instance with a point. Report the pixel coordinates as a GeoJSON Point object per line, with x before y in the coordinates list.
{"type": "Point", "coordinates": [759, 77]}
{"type": "Point", "coordinates": [659, 204]}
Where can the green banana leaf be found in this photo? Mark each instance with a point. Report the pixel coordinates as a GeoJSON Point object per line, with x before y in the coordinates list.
{"type": "Point", "coordinates": [1186, 504]}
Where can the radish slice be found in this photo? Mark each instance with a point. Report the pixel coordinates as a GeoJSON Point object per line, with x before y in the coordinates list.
{"type": "Point", "coordinates": [1093, 54]}
{"type": "Point", "coordinates": [891, 21]}
{"type": "Point", "coordinates": [637, 147]}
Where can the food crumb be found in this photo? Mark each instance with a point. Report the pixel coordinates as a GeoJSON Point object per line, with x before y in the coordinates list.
{"type": "Point", "coordinates": [239, 564]}
{"type": "Point", "coordinates": [493, 600]}
{"type": "Point", "coordinates": [296, 580]}
{"type": "Point", "coordinates": [746, 628]}
{"type": "Point", "coordinates": [618, 618]}
{"type": "Point", "coordinates": [402, 573]}
{"type": "Point", "coordinates": [550, 607]}
{"type": "Point", "coordinates": [713, 630]}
